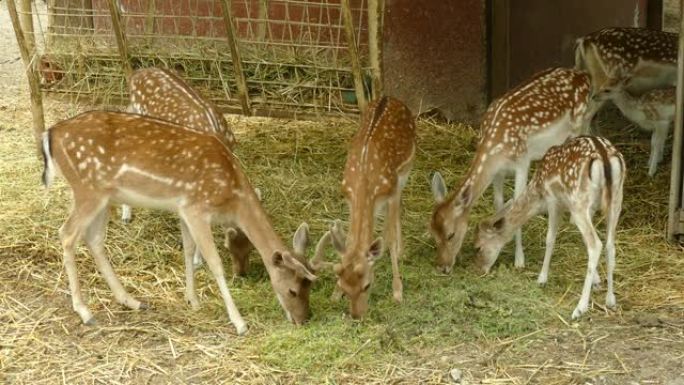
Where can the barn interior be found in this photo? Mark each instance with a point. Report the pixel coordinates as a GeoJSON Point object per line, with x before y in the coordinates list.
{"type": "Point", "coordinates": [294, 107]}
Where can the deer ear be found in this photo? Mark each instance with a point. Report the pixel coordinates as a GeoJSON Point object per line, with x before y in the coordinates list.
{"type": "Point", "coordinates": [375, 250]}
{"type": "Point", "coordinates": [338, 236]}
{"type": "Point", "coordinates": [286, 260]}
{"type": "Point", "coordinates": [438, 187]}
{"type": "Point", "coordinates": [498, 225]}
{"type": "Point", "coordinates": [301, 239]}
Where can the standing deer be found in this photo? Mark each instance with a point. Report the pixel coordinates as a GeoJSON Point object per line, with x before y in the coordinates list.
{"type": "Point", "coordinates": [646, 59]}
{"type": "Point", "coordinates": [109, 157]}
{"type": "Point", "coordinates": [583, 174]}
{"type": "Point", "coordinates": [517, 128]}
{"type": "Point", "coordinates": [652, 111]}
{"type": "Point", "coordinates": [162, 94]}
{"type": "Point", "coordinates": [377, 168]}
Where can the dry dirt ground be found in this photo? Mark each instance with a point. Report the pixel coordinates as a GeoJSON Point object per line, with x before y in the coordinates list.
{"type": "Point", "coordinates": [530, 341]}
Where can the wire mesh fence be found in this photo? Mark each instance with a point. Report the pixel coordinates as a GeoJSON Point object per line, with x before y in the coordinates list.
{"type": "Point", "coordinates": [294, 53]}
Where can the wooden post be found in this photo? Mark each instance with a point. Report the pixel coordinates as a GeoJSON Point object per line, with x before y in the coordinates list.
{"type": "Point", "coordinates": [263, 20]}
{"type": "Point", "coordinates": [353, 54]}
{"type": "Point", "coordinates": [26, 22]}
{"type": "Point", "coordinates": [30, 64]}
{"type": "Point", "coordinates": [675, 203]}
{"type": "Point", "coordinates": [376, 11]}
{"type": "Point", "coordinates": [235, 55]}
{"type": "Point", "coordinates": [120, 37]}
{"type": "Point", "coordinates": [149, 18]}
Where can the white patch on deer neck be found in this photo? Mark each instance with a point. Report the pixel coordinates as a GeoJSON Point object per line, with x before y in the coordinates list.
{"type": "Point", "coordinates": [553, 134]}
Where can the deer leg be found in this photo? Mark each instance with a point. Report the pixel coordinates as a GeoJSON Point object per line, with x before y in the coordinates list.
{"type": "Point", "coordinates": [200, 230]}
{"type": "Point", "coordinates": [520, 185]}
{"type": "Point", "coordinates": [611, 224]}
{"type": "Point", "coordinates": [393, 226]}
{"type": "Point", "coordinates": [593, 243]}
{"type": "Point", "coordinates": [497, 187]}
{"type": "Point", "coordinates": [126, 215]}
{"type": "Point", "coordinates": [94, 238]}
{"type": "Point", "coordinates": [550, 242]}
{"type": "Point", "coordinates": [70, 233]}
{"type": "Point", "coordinates": [657, 147]}
{"type": "Point", "coordinates": [190, 250]}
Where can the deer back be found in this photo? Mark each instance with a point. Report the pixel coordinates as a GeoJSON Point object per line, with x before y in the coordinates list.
{"type": "Point", "coordinates": [532, 108]}
{"type": "Point", "coordinates": [628, 52]}
{"type": "Point", "coordinates": [568, 170]}
{"type": "Point", "coordinates": [381, 150]}
{"type": "Point", "coordinates": [162, 94]}
{"type": "Point", "coordinates": [111, 152]}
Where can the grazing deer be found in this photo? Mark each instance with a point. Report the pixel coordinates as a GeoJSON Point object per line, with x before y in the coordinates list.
{"type": "Point", "coordinates": [517, 128]}
{"type": "Point", "coordinates": [377, 168]}
{"type": "Point", "coordinates": [162, 94]}
{"type": "Point", "coordinates": [653, 111]}
{"type": "Point", "coordinates": [645, 58]}
{"type": "Point", "coordinates": [109, 157]}
{"type": "Point", "coordinates": [583, 174]}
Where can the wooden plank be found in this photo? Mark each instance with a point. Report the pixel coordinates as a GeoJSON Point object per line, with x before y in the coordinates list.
{"type": "Point", "coordinates": [675, 202]}
{"type": "Point", "coordinates": [500, 56]}
{"type": "Point", "coordinates": [354, 55]}
{"type": "Point", "coordinates": [121, 42]}
{"type": "Point", "coordinates": [235, 55]}
{"type": "Point", "coordinates": [30, 64]}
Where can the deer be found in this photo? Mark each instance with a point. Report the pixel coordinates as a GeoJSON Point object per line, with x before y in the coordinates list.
{"type": "Point", "coordinates": [646, 59]}
{"type": "Point", "coordinates": [653, 111]}
{"type": "Point", "coordinates": [378, 164]}
{"type": "Point", "coordinates": [582, 175]}
{"type": "Point", "coordinates": [162, 94]}
{"type": "Point", "coordinates": [516, 129]}
{"type": "Point", "coordinates": [116, 157]}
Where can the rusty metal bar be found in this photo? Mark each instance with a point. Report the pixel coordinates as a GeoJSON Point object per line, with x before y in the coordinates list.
{"type": "Point", "coordinates": [30, 60]}
{"type": "Point", "coordinates": [376, 10]}
{"type": "Point", "coordinates": [120, 35]}
{"type": "Point", "coordinates": [354, 55]}
{"type": "Point", "coordinates": [235, 55]}
{"type": "Point", "coordinates": [675, 203]}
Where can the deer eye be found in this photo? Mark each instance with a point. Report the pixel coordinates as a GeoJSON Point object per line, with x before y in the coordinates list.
{"type": "Point", "coordinates": [451, 236]}
{"type": "Point", "coordinates": [292, 292]}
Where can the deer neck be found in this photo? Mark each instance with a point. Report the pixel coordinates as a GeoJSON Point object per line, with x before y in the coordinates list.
{"type": "Point", "coordinates": [477, 179]}
{"type": "Point", "coordinates": [521, 210]}
{"type": "Point", "coordinates": [628, 104]}
{"type": "Point", "coordinates": [257, 226]}
{"type": "Point", "coordinates": [362, 218]}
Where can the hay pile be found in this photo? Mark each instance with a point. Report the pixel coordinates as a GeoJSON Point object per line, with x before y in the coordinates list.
{"type": "Point", "coordinates": [502, 327]}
